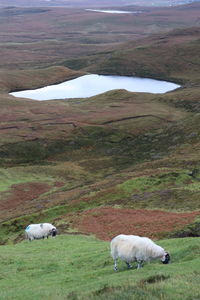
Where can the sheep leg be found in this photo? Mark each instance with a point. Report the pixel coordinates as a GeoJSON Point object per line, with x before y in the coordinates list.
{"type": "Point", "coordinates": [128, 265]}
{"type": "Point", "coordinates": [115, 266]}
{"type": "Point", "coordinates": [139, 266]}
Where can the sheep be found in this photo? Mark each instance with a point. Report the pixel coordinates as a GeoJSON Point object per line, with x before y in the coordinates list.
{"type": "Point", "coordinates": [135, 248]}
{"type": "Point", "coordinates": [40, 231]}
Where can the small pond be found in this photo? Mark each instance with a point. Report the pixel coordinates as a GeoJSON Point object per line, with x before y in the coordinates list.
{"type": "Point", "coordinates": [91, 85]}
{"type": "Point", "coordinates": [115, 11]}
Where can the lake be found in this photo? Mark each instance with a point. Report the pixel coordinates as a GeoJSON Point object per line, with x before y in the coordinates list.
{"type": "Point", "coordinates": [93, 84]}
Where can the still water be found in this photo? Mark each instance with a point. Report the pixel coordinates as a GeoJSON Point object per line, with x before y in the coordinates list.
{"type": "Point", "coordinates": [91, 85]}
{"type": "Point", "coordinates": [115, 11]}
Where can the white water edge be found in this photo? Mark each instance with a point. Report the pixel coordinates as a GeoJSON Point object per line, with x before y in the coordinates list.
{"type": "Point", "coordinates": [93, 84]}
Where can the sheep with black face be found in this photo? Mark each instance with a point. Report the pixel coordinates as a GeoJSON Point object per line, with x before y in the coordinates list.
{"type": "Point", "coordinates": [132, 248]}
{"type": "Point", "coordinates": [40, 231]}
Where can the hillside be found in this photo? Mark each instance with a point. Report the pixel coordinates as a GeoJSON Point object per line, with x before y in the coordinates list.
{"type": "Point", "coordinates": [75, 161]}
{"type": "Point", "coordinates": [172, 56]}
{"type": "Point", "coordinates": [118, 154]}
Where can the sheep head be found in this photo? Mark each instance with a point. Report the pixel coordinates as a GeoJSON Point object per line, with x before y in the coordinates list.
{"type": "Point", "coordinates": [166, 258]}
{"type": "Point", "coordinates": [53, 232]}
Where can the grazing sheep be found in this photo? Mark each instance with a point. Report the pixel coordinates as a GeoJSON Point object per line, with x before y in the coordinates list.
{"type": "Point", "coordinates": [135, 248]}
{"type": "Point", "coordinates": [40, 231]}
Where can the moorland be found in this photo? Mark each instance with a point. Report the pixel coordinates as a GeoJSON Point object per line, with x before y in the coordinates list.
{"type": "Point", "coordinates": [116, 162]}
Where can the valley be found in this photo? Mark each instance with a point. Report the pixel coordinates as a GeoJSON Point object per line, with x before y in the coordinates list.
{"type": "Point", "coordinates": [66, 152]}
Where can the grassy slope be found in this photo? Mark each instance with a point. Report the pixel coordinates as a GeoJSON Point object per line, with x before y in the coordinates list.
{"type": "Point", "coordinates": [79, 267]}
{"type": "Point", "coordinates": [79, 156]}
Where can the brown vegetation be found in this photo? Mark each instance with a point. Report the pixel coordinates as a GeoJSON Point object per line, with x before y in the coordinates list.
{"type": "Point", "coordinates": [18, 199]}
{"type": "Point", "coordinates": [105, 223]}
{"type": "Point", "coordinates": [44, 37]}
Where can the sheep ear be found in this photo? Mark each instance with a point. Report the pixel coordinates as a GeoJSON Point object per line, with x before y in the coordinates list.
{"type": "Point", "coordinates": [41, 225]}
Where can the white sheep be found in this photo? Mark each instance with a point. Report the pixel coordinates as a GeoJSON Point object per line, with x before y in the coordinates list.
{"type": "Point", "coordinates": [40, 231]}
{"type": "Point", "coordinates": [132, 248]}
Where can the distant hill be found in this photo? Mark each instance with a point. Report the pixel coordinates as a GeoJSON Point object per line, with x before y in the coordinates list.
{"type": "Point", "coordinates": [37, 37]}
{"type": "Point", "coordinates": [93, 3]}
{"type": "Point", "coordinates": [173, 56]}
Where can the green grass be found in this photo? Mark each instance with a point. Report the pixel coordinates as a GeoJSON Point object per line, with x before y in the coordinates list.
{"type": "Point", "coordinates": [67, 172]}
{"type": "Point", "coordinates": [153, 183]}
{"type": "Point", "coordinates": [167, 190]}
{"type": "Point", "coordinates": [18, 175]}
{"type": "Point", "coordinates": [79, 267]}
